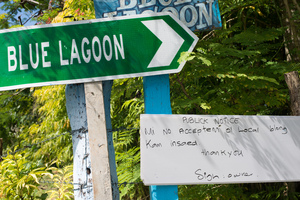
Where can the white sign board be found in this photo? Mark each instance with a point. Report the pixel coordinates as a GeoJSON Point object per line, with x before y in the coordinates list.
{"type": "Point", "coordinates": [204, 149]}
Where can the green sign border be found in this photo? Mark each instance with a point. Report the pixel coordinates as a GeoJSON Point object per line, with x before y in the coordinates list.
{"type": "Point", "coordinates": [171, 20]}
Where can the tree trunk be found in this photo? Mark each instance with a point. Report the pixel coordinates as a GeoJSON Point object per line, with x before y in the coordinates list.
{"type": "Point", "coordinates": [291, 12]}
{"type": "Point", "coordinates": [293, 82]}
{"type": "Point", "coordinates": [290, 19]}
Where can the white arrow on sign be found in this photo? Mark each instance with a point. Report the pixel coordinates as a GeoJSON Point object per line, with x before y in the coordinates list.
{"type": "Point", "coordinates": [171, 42]}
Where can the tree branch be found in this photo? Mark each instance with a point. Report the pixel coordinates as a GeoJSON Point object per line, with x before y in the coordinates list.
{"type": "Point", "coordinates": [297, 5]}
{"type": "Point", "coordinates": [33, 15]}
{"type": "Point", "coordinates": [50, 5]}
{"type": "Point", "coordinates": [294, 43]}
{"type": "Point", "coordinates": [32, 2]}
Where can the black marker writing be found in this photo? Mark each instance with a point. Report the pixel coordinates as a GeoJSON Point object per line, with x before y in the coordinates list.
{"type": "Point", "coordinates": [283, 129]}
{"type": "Point", "coordinates": [205, 176]}
{"type": "Point", "coordinates": [235, 153]}
{"type": "Point", "coordinates": [150, 144]}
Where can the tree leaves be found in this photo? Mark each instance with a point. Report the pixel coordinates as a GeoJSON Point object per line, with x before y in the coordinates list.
{"type": "Point", "coordinates": [20, 177]}
{"type": "Point", "coordinates": [62, 182]}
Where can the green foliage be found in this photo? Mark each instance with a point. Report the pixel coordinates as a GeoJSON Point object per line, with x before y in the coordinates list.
{"type": "Point", "coordinates": [3, 21]}
{"type": "Point", "coordinates": [48, 121]}
{"type": "Point", "coordinates": [19, 12]}
{"type": "Point", "coordinates": [53, 122]}
{"type": "Point", "coordinates": [75, 11]}
{"type": "Point", "coordinates": [231, 72]}
{"type": "Point", "coordinates": [83, 9]}
{"type": "Point", "coordinates": [205, 192]}
{"type": "Point", "coordinates": [127, 103]}
{"type": "Point", "coordinates": [267, 191]}
{"type": "Point", "coordinates": [129, 172]}
{"type": "Point", "coordinates": [19, 177]}
{"type": "Point", "coordinates": [15, 114]}
{"type": "Point", "coordinates": [63, 189]}
{"type": "Point", "coordinates": [47, 16]}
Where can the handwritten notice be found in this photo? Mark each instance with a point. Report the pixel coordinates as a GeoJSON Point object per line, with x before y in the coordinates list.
{"type": "Point", "coordinates": [211, 149]}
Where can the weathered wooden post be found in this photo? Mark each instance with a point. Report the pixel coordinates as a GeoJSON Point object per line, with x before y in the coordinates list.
{"type": "Point", "coordinates": [75, 103]}
{"type": "Point", "coordinates": [100, 139]}
{"type": "Point", "coordinates": [88, 107]}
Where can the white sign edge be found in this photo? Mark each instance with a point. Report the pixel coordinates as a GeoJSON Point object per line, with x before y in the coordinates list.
{"type": "Point", "coordinates": [87, 80]}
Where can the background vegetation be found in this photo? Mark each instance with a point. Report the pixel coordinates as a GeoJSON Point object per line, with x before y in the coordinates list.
{"type": "Point", "coordinates": [238, 69]}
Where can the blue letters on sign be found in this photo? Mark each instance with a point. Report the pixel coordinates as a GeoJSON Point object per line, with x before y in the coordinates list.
{"type": "Point", "coordinates": [195, 14]}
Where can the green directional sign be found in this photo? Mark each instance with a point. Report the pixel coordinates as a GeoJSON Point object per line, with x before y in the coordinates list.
{"type": "Point", "coordinates": [92, 50]}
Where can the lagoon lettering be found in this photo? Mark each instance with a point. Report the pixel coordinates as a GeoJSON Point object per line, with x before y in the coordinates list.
{"type": "Point", "coordinates": [94, 49]}
{"type": "Point", "coordinates": [191, 13]}
{"type": "Point", "coordinates": [13, 62]}
{"type": "Point", "coordinates": [28, 57]}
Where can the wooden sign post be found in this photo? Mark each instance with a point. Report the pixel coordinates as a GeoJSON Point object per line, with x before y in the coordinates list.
{"type": "Point", "coordinates": [98, 140]}
{"type": "Point", "coordinates": [88, 107]}
{"type": "Point", "coordinates": [75, 103]}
